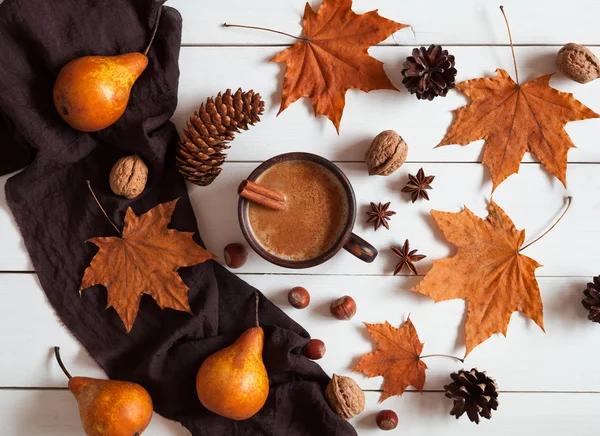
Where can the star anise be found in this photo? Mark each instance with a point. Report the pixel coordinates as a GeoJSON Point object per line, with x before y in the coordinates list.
{"type": "Point", "coordinates": [380, 215]}
{"type": "Point", "coordinates": [407, 257]}
{"type": "Point", "coordinates": [418, 185]}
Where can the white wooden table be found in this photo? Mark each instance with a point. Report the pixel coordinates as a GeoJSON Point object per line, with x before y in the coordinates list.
{"type": "Point", "coordinates": [550, 383]}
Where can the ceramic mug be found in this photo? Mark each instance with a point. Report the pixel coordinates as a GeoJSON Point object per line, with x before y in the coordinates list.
{"type": "Point", "coordinates": [348, 240]}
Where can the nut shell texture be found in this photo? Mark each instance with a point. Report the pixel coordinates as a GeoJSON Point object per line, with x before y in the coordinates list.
{"type": "Point", "coordinates": [387, 420]}
{"type": "Point", "coordinates": [343, 308]}
{"type": "Point", "coordinates": [235, 255]}
{"type": "Point", "coordinates": [387, 153]}
{"type": "Point", "coordinates": [315, 349]}
{"type": "Point", "coordinates": [345, 397]}
{"type": "Point", "coordinates": [299, 297]}
{"type": "Point", "coordinates": [128, 176]}
{"type": "Point", "coordinates": [578, 63]}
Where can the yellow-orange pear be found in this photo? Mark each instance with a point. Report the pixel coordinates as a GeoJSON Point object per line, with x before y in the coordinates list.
{"type": "Point", "coordinates": [233, 382]}
{"type": "Point", "coordinates": [109, 407]}
{"type": "Point", "coordinates": [92, 92]}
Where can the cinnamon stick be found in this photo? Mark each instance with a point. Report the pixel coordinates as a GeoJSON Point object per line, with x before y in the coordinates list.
{"type": "Point", "coordinates": [261, 195]}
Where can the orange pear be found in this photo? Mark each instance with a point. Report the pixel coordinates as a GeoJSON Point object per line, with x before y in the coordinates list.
{"type": "Point", "coordinates": [108, 407]}
{"type": "Point", "coordinates": [92, 92]}
{"type": "Point", "coordinates": [233, 382]}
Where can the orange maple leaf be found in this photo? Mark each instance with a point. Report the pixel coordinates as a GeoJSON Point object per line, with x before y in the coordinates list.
{"type": "Point", "coordinates": [487, 271]}
{"type": "Point", "coordinates": [513, 119]}
{"type": "Point", "coordinates": [397, 358]}
{"type": "Point", "coordinates": [144, 261]}
{"type": "Point", "coordinates": [333, 57]}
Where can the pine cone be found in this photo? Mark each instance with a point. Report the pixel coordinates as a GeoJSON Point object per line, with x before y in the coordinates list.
{"type": "Point", "coordinates": [592, 299]}
{"type": "Point", "coordinates": [473, 392]}
{"type": "Point", "coordinates": [429, 73]}
{"type": "Point", "coordinates": [208, 133]}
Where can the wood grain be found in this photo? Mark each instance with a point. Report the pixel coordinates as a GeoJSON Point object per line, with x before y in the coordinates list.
{"type": "Point", "coordinates": [449, 22]}
{"type": "Point", "coordinates": [54, 413]}
{"type": "Point", "coordinates": [550, 382]}
{"type": "Point", "coordinates": [532, 199]}
{"type": "Point", "coordinates": [527, 360]}
{"type": "Point", "coordinates": [422, 124]}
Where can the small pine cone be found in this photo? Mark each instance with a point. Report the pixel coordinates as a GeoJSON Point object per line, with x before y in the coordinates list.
{"type": "Point", "coordinates": [429, 73]}
{"type": "Point", "coordinates": [473, 392]}
{"type": "Point", "coordinates": [208, 133]}
{"type": "Point", "coordinates": [592, 299]}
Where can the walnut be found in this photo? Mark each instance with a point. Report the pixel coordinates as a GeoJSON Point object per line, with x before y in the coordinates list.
{"type": "Point", "coordinates": [129, 176]}
{"type": "Point", "coordinates": [386, 154]}
{"type": "Point", "coordinates": [578, 63]}
{"type": "Point", "coordinates": [345, 397]}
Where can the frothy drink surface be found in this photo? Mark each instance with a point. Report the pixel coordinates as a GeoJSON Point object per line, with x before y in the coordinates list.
{"type": "Point", "coordinates": [315, 216]}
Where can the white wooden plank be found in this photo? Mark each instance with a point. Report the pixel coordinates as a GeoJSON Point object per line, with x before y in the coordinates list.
{"type": "Point", "coordinates": [518, 414]}
{"type": "Point", "coordinates": [532, 198]}
{"type": "Point", "coordinates": [366, 115]}
{"type": "Point", "coordinates": [453, 21]}
{"type": "Point", "coordinates": [422, 124]}
{"type": "Point", "coordinates": [528, 360]}
{"type": "Point", "coordinates": [54, 413]}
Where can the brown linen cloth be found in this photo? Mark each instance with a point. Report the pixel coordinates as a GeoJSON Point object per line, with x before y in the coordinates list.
{"type": "Point", "coordinates": [56, 215]}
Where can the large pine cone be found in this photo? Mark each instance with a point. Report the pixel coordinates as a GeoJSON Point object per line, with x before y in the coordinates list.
{"type": "Point", "coordinates": [208, 133]}
{"type": "Point", "coordinates": [473, 392]}
{"type": "Point", "coordinates": [592, 299]}
{"type": "Point", "coordinates": [429, 73]}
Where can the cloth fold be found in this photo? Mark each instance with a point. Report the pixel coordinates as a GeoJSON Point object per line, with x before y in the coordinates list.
{"type": "Point", "coordinates": [56, 214]}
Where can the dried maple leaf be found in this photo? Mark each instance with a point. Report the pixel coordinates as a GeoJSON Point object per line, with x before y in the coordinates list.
{"type": "Point", "coordinates": [513, 119]}
{"type": "Point", "coordinates": [144, 261]}
{"type": "Point", "coordinates": [487, 271]}
{"type": "Point", "coordinates": [397, 358]}
{"type": "Point", "coordinates": [333, 57]}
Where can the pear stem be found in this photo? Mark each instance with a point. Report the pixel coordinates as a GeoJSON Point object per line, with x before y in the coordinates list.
{"type": "Point", "coordinates": [265, 29]}
{"type": "Point", "coordinates": [154, 30]}
{"type": "Point", "coordinates": [60, 362]}
{"type": "Point", "coordinates": [512, 47]}
{"type": "Point", "coordinates": [102, 209]}
{"type": "Point", "coordinates": [256, 309]}
{"type": "Point", "coordinates": [569, 201]}
{"type": "Point", "coordinates": [443, 355]}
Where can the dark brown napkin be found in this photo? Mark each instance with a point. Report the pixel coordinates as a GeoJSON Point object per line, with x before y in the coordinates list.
{"type": "Point", "coordinates": [56, 214]}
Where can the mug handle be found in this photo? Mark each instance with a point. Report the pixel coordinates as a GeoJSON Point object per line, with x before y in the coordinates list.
{"type": "Point", "coordinates": [360, 248]}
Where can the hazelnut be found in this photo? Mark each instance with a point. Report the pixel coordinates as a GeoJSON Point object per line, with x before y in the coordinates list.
{"type": "Point", "coordinates": [345, 397]}
{"type": "Point", "coordinates": [386, 154]}
{"type": "Point", "coordinates": [578, 63]}
{"type": "Point", "coordinates": [299, 297]}
{"type": "Point", "coordinates": [315, 349]}
{"type": "Point", "coordinates": [387, 420]}
{"type": "Point", "coordinates": [343, 308]}
{"type": "Point", "coordinates": [128, 176]}
{"type": "Point", "coordinates": [235, 255]}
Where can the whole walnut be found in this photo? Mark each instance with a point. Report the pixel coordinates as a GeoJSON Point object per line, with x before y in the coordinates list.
{"type": "Point", "coordinates": [578, 63]}
{"type": "Point", "coordinates": [128, 176]}
{"type": "Point", "coordinates": [386, 154]}
{"type": "Point", "coordinates": [345, 397]}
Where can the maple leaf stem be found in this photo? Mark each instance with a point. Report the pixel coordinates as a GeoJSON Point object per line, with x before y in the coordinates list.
{"type": "Point", "coordinates": [265, 29]}
{"type": "Point", "coordinates": [102, 209]}
{"type": "Point", "coordinates": [443, 355]}
{"type": "Point", "coordinates": [512, 47]}
{"type": "Point", "coordinates": [256, 309]}
{"type": "Point", "coordinates": [60, 362]}
{"type": "Point", "coordinates": [569, 201]}
{"type": "Point", "coordinates": [156, 21]}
